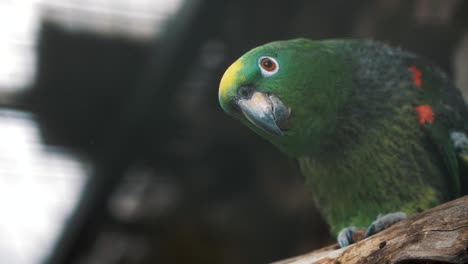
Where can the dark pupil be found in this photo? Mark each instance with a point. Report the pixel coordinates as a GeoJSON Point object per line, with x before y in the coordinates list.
{"type": "Point", "coordinates": [267, 63]}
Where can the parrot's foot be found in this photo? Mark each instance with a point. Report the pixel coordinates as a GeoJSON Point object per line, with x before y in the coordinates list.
{"type": "Point", "coordinates": [345, 236]}
{"type": "Point", "coordinates": [350, 235]}
{"type": "Point", "coordinates": [383, 222]}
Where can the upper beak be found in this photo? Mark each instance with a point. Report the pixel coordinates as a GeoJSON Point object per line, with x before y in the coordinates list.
{"type": "Point", "coordinates": [265, 111]}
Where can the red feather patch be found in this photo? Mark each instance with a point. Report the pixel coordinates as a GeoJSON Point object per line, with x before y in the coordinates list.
{"type": "Point", "coordinates": [425, 114]}
{"type": "Point", "coordinates": [417, 81]}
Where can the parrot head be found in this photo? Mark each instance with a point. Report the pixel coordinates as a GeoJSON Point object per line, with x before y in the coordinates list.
{"type": "Point", "coordinates": [289, 92]}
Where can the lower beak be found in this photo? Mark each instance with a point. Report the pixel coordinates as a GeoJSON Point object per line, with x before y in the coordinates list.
{"type": "Point", "coordinates": [266, 112]}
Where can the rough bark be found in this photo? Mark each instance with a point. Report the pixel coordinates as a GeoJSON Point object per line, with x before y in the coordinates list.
{"type": "Point", "coordinates": [438, 235]}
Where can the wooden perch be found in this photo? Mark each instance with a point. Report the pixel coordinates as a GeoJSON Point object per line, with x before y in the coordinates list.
{"type": "Point", "coordinates": [436, 235]}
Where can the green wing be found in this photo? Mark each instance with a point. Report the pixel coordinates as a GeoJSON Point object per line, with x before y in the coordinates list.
{"type": "Point", "coordinates": [448, 127]}
{"type": "Point", "coordinates": [460, 142]}
{"type": "Point", "coordinates": [445, 146]}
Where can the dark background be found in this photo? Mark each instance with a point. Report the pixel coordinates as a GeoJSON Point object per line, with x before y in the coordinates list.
{"type": "Point", "coordinates": [145, 113]}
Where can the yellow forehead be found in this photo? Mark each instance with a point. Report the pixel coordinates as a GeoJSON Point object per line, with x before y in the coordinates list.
{"type": "Point", "coordinates": [231, 75]}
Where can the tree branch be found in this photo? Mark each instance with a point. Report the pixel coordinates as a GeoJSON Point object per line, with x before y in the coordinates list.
{"type": "Point", "coordinates": [439, 234]}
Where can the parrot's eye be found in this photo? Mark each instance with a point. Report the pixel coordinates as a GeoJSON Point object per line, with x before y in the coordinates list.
{"type": "Point", "coordinates": [268, 66]}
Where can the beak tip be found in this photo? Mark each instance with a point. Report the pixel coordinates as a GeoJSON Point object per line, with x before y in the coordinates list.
{"type": "Point", "coordinates": [264, 112]}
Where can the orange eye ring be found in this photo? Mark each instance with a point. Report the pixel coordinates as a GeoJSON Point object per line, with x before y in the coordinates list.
{"type": "Point", "coordinates": [268, 64]}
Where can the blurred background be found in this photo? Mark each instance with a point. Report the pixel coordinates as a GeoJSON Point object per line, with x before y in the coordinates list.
{"type": "Point", "coordinates": [113, 148]}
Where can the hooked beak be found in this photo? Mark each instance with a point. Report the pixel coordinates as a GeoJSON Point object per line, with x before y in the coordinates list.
{"type": "Point", "coordinates": [266, 112]}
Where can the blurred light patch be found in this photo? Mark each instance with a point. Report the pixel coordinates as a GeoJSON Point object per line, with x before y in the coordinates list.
{"type": "Point", "coordinates": [20, 21]}
{"type": "Point", "coordinates": [39, 188]}
{"type": "Point", "coordinates": [131, 18]}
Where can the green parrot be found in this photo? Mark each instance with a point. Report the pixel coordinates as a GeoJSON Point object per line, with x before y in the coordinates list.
{"type": "Point", "coordinates": [377, 132]}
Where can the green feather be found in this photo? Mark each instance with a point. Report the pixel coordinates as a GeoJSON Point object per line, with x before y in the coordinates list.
{"type": "Point", "coordinates": [444, 144]}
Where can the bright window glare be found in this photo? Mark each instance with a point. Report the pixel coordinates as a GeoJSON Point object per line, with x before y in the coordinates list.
{"type": "Point", "coordinates": [18, 27]}
{"type": "Point", "coordinates": [39, 188]}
